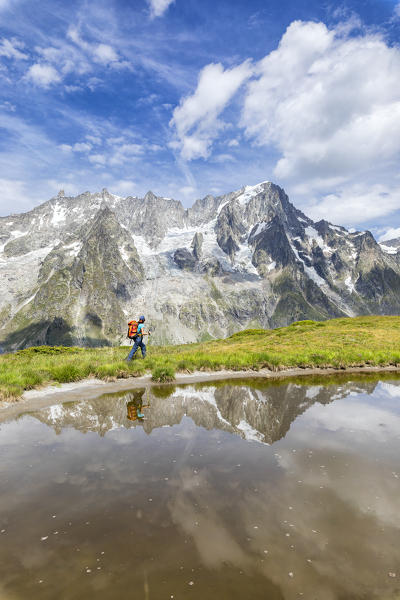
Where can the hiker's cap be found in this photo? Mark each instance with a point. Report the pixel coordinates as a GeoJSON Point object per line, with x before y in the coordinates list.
{"type": "Point", "coordinates": [142, 318]}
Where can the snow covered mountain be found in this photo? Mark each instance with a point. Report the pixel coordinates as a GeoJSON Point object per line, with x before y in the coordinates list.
{"type": "Point", "coordinates": [75, 269]}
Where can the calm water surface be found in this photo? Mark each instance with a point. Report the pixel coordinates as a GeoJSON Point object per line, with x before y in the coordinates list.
{"type": "Point", "coordinates": [228, 491]}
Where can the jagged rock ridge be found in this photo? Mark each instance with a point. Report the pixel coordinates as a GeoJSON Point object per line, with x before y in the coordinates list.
{"type": "Point", "coordinates": [75, 269]}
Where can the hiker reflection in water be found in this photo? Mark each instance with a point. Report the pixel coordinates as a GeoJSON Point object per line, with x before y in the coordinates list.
{"type": "Point", "coordinates": [135, 405]}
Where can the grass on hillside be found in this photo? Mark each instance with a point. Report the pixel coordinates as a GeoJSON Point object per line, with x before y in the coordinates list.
{"type": "Point", "coordinates": [337, 343]}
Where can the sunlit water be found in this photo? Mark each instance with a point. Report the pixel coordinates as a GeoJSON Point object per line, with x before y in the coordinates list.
{"type": "Point", "coordinates": [229, 491]}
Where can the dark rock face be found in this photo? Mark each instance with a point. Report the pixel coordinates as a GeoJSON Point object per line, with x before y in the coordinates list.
{"type": "Point", "coordinates": [184, 259]}
{"type": "Point", "coordinates": [75, 270]}
{"type": "Point", "coordinates": [230, 229]}
{"type": "Point", "coordinates": [197, 243]}
{"type": "Point", "coordinates": [270, 245]}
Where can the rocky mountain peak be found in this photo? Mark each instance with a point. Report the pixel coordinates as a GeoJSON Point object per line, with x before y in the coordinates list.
{"type": "Point", "coordinates": [150, 197]}
{"type": "Point", "coordinates": [105, 194]}
{"type": "Point", "coordinates": [75, 268]}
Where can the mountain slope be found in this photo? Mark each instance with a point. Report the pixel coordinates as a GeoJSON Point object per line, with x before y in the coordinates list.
{"type": "Point", "coordinates": [76, 269]}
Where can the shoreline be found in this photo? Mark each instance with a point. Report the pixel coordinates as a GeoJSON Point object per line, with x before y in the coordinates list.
{"type": "Point", "coordinates": [88, 389]}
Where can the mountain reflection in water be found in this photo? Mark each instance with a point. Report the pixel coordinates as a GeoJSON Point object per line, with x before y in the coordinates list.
{"type": "Point", "coordinates": [226, 491]}
{"type": "Point", "coordinates": [258, 414]}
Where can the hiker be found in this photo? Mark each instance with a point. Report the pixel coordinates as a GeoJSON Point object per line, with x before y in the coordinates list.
{"type": "Point", "coordinates": [138, 339]}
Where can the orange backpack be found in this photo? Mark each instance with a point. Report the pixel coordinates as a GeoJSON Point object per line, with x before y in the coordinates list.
{"type": "Point", "coordinates": [132, 329]}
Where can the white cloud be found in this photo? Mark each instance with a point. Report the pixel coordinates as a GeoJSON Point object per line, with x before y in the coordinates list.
{"type": "Point", "coordinates": [115, 153]}
{"type": "Point", "coordinates": [94, 139]}
{"type": "Point", "coordinates": [12, 49]}
{"type": "Point", "coordinates": [70, 89]}
{"type": "Point", "coordinates": [124, 187]}
{"type": "Point", "coordinates": [8, 106]}
{"type": "Point", "coordinates": [82, 147]}
{"type": "Point", "coordinates": [100, 53]}
{"type": "Point", "coordinates": [66, 58]}
{"type": "Point", "coordinates": [222, 158]}
{"type": "Point", "coordinates": [125, 153]}
{"type": "Point", "coordinates": [330, 102]}
{"type": "Point", "coordinates": [396, 11]}
{"type": "Point", "coordinates": [98, 159]}
{"type": "Point", "coordinates": [196, 118]}
{"type": "Point", "coordinates": [188, 191]}
{"type": "Point", "coordinates": [43, 75]}
{"type": "Point", "coordinates": [356, 203]}
{"type": "Point", "coordinates": [105, 54]}
{"type": "Point", "coordinates": [13, 194]}
{"type": "Point", "coordinates": [56, 185]}
{"type": "Point", "coordinates": [74, 35]}
{"type": "Point", "coordinates": [233, 143]}
{"type": "Point", "coordinates": [158, 7]}
{"type": "Point", "coordinates": [391, 234]}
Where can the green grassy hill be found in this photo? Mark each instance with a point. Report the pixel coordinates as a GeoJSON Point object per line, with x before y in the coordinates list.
{"type": "Point", "coordinates": [337, 343]}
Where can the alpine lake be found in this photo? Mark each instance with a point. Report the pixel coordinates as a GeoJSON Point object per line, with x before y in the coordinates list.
{"type": "Point", "coordinates": [241, 489]}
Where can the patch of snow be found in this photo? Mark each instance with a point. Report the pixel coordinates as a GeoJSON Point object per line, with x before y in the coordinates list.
{"type": "Point", "coordinates": [55, 412]}
{"type": "Point", "coordinates": [349, 284]}
{"type": "Point", "coordinates": [142, 246]}
{"type": "Point", "coordinates": [204, 395]}
{"type": "Point", "coordinates": [339, 229]}
{"type": "Point", "coordinates": [25, 302]}
{"type": "Point", "coordinates": [314, 235]}
{"type": "Point", "coordinates": [313, 391]}
{"type": "Point", "coordinates": [17, 233]}
{"type": "Point", "coordinates": [13, 236]}
{"type": "Point", "coordinates": [59, 213]}
{"type": "Point", "coordinates": [222, 206]}
{"type": "Point", "coordinates": [272, 266]}
{"type": "Point", "coordinates": [249, 192]}
{"type": "Point", "coordinates": [18, 276]}
{"type": "Point", "coordinates": [389, 249]}
{"type": "Point", "coordinates": [182, 238]}
{"type": "Point", "coordinates": [177, 237]}
{"type": "Point", "coordinates": [208, 396]}
{"type": "Point", "coordinates": [249, 432]}
{"type": "Point", "coordinates": [260, 227]}
{"type": "Point", "coordinates": [310, 271]}
{"type": "Point", "coordinates": [243, 259]}
{"type": "Point", "coordinates": [124, 254]}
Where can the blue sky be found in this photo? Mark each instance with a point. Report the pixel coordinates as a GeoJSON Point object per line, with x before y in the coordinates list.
{"type": "Point", "coordinates": [187, 98]}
